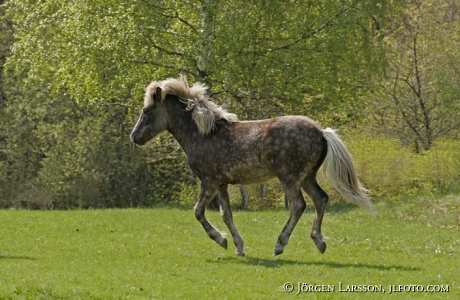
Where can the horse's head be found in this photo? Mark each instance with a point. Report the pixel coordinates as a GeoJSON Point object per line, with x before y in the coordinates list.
{"type": "Point", "coordinates": [153, 118]}
{"type": "Point", "coordinates": [166, 99]}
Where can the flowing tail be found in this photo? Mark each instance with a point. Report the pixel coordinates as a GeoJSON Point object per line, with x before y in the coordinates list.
{"type": "Point", "coordinates": [340, 171]}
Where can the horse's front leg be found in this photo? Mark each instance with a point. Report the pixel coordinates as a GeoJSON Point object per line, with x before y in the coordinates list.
{"type": "Point", "coordinates": [226, 213]}
{"type": "Point", "coordinates": [207, 192]}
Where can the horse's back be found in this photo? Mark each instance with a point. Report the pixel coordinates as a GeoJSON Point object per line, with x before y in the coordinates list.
{"type": "Point", "coordinates": [296, 125]}
{"type": "Point", "coordinates": [290, 144]}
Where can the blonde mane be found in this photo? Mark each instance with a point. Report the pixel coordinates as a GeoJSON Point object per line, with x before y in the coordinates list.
{"type": "Point", "coordinates": [205, 113]}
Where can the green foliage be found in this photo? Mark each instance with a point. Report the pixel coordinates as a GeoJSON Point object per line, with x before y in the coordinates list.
{"type": "Point", "coordinates": [63, 156]}
{"type": "Point", "coordinates": [418, 96]}
{"type": "Point", "coordinates": [67, 156]}
{"type": "Point", "coordinates": [271, 198]}
{"type": "Point", "coordinates": [275, 54]}
{"type": "Point", "coordinates": [164, 253]}
{"type": "Point", "coordinates": [389, 169]}
{"type": "Point", "coordinates": [252, 53]}
{"type": "Point", "coordinates": [169, 180]}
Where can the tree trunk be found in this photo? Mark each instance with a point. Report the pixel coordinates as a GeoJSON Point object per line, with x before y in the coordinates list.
{"type": "Point", "coordinates": [207, 21]}
{"type": "Point", "coordinates": [244, 197]}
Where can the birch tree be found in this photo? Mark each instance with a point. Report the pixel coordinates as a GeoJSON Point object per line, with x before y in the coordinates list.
{"type": "Point", "coordinates": [273, 54]}
{"type": "Point", "coordinates": [421, 89]}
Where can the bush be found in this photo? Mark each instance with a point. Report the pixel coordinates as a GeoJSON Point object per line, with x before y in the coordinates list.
{"type": "Point", "coordinates": [388, 169]}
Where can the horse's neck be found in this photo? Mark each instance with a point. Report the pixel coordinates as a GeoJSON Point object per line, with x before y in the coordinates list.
{"type": "Point", "coordinates": [181, 125]}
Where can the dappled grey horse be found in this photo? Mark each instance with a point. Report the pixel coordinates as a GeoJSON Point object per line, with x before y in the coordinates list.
{"type": "Point", "coordinates": [222, 150]}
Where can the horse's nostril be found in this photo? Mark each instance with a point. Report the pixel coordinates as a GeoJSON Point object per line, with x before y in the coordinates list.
{"type": "Point", "coordinates": [136, 140]}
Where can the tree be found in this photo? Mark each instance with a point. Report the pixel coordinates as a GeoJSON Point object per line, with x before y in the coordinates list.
{"type": "Point", "coordinates": [6, 38]}
{"type": "Point", "coordinates": [421, 87]}
{"type": "Point", "coordinates": [6, 41]}
{"type": "Point", "coordinates": [252, 52]}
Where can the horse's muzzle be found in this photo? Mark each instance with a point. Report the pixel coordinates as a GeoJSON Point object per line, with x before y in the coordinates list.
{"type": "Point", "coordinates": [135, 139]}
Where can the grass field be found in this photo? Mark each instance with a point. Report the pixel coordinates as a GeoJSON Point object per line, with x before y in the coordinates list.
{"type": "Point", "coordinates": [165, 254]}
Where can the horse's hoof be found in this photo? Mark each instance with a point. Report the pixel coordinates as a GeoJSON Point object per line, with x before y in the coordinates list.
{"type": "Point", "coordinates": [277, 252]}
{"type": "Point", "coordinates": [239, 251]}
{"type": "Point", "coordinates": [223, 243]}
{"type": "Point", "coordinates": [321, 245]}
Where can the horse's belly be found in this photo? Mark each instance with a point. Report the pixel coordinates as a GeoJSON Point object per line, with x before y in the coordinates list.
{"type": "Point", "coordinates": [249, 176]}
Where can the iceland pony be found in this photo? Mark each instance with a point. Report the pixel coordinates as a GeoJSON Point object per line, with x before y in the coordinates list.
{"type": "Point", "coordinates": [222, 150]}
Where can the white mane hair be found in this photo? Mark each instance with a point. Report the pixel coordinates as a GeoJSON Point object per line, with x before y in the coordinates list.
{"type": "Point", "coordinates": [205, 113]}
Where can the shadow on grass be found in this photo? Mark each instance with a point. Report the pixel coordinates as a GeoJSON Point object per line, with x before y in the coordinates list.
{"type": "Point", "coordinates": [17, 257]}
{"type": "Point", "coordinates": [277, 263]}
{"type": "Point", "coordinates": [338, 207]}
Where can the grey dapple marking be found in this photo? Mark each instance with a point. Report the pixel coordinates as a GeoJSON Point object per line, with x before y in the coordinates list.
{"type": "Point", "coordinates": [222, 150]}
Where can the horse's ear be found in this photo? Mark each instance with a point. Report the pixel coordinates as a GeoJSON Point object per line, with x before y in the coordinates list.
{"type": "Point", "coordinates": [157, 95]}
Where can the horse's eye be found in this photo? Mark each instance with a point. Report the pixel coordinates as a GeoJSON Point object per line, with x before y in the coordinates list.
{"type": "Point", "coordinates": [146, 110]}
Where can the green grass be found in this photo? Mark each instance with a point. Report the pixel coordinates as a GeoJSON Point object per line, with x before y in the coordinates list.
{"type": "Point", "coordinates": [165, 254]}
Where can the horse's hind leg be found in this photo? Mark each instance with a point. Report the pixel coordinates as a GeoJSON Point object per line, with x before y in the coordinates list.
{"type": "Point", "coordinates": [297, 206]}
{"type": "Point", "coordinates": [207, 192]}
{"type": "Point", "coordinates": [226, 213]}
{"type": "Point", "coordinates": [320, 199]}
